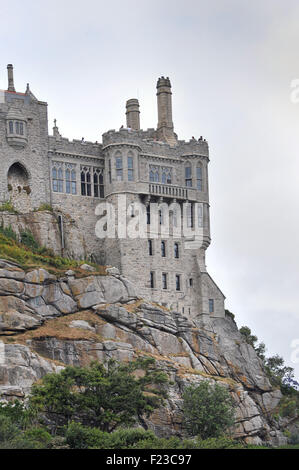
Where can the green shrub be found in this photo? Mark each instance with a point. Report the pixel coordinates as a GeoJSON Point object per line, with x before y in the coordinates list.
{"type": "Point", "coordinates": [8, 430]}
{"type": "Point", "coordinates": [105, 396]}
{"type": "Point", "coordinates": [8, 232]}
{"type": "Point", "coordinates": [85, 437]}
{"type": "Point", "coordinates": [222, 442]}
{"type": "Point", "coordinates": [45, 207]}
{"type": "Point", "coordinates": [27, 239]}
{"type": "Point", "coordinates": [7, 206]}
{"type": "Point", "coordinates": [294, 438]}
{"type": "Point", "coordinates": [208, 410]}
{"type": "Point", "coordinates": [288, 407]}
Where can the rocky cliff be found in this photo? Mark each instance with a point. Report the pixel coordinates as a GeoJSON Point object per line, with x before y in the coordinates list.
{"type": "Point", "coordinates": [47, 322]}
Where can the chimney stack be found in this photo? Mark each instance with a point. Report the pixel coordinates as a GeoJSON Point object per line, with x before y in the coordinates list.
{"type": "Point", "coordinates": [132, 113]}
{"type": "Point", "coordinates": [11, 86]}
{"type": "Point", "coordinates": [165, 124]}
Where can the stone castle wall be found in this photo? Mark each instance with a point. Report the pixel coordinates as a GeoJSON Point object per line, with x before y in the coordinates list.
{"type": "Point", "coordinates": [42, 176]}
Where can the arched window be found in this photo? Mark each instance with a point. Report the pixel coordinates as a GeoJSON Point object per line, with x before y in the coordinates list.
{"type": "Point", "coordinates": [166, 175]}
{"type": "Point", "coordinates": [188, 176]}
{"type": "Point", "coordinates": [130, 167]}
{"type": "Point", "coordinates": [70, 178]}
{"type": "Point", "coordinates": [85, 181]}
{"type": "Point", "coordinates": [119, 167]}
{"type": "Point", "coordinates": [57, 177]}
{"type": "Point", "coordinates": [199, 178]}
{"type": "Point", "coordinates": [98, 182]}
{"type": "Point", "coordinates": [154, 173]}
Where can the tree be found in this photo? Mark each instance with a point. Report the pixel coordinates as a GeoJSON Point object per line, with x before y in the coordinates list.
{"type": "Point", "coordinates": [277, 371]}
{"type": "Point", "coordinates": [249, 338]}
{"type": "Point", "coordinates": [102, 396]}
{"type": "Point", "coordinates": [208, 410]}
{"type": "Point", "coordinates": [279, 374]}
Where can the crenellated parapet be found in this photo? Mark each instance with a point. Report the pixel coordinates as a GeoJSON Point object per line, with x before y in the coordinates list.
{"type": "Point", "coordinates": [148, 143]}
{"type": "Point", "coordinates": [80, 147]}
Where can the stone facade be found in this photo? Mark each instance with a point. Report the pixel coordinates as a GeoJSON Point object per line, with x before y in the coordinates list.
{"type": "Point", "coordinates": [148, 169]}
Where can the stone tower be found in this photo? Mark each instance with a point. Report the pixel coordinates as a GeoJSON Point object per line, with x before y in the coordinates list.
{"type": "Point", "coordinates": [24, 170]}
{"type": "Point", "coordinates": [132, 113]}
{"type": "Point", "coordinates": [164, 99]}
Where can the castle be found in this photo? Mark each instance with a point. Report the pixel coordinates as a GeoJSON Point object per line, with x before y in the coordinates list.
{"type": "Point", "coordinates": [151, 167]}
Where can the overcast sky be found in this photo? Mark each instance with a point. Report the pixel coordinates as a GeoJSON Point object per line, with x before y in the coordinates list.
{"type": "Point", "coordinates": [231, 63]}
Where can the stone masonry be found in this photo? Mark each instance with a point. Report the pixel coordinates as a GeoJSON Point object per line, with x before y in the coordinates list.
{"type": "Point", "coordinates": [131, 166]}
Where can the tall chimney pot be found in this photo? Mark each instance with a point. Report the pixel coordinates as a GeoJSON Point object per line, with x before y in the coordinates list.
{"type": "Point", "coordinates": [11, 86]}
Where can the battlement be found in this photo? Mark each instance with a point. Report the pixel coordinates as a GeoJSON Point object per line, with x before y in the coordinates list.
{"type": "Point", "coordinates": [163, 82]}
{"type": "Point", "coordinates": [148, 143]}
{"type": "Point", "coordinates": [75, 146]}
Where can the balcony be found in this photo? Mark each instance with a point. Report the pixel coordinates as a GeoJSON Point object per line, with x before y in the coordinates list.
{"type": "Point", "coordinates": [167, 190]}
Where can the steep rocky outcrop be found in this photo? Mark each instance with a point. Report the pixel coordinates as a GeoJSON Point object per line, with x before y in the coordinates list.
{"type": "Point", "coordinates": [47, 322]}
{"type": "Point", "coordinates": [44, 225]}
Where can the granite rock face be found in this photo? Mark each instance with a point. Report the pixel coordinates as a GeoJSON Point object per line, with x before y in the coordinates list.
{"type": "Point", "coordinates": [46, 323]}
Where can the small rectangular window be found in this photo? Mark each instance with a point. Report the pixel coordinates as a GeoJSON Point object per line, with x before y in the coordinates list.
{"type": "Point", "coordinates": [190, 215]}
{"type": "Point", "coordinates": [178, 282]}
{"type": "Point", "coordinates": [161, 221]}
{"type": "Point", "coordinates": [148, 214]}
{"type": "Point", "coordinates": [164, 281]}
{"type": "Point", "coordinates": [190, 282]}
{"type": "Point", "coordinates": [109, 171]}
{"type": "Point", "coordinates": [150, 247]}
{"type": "Point", "coordinates": [200, 214]}
{"type": "Point", "coordinates": [211, 305]}
{"type": "Point", "coordinates": [152, 279]}
{"type": "Point", "coordinates": [199, 178]}
{"type": "Point", "coordinates": [163, 249]}
{"type": "Point", "coordinates": [176, 250]}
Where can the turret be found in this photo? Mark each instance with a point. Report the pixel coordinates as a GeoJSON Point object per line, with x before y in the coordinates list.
{"type": "Point", "coordinates": [132, 113]}
{"type": "Point", "coordinates": [165, 124]}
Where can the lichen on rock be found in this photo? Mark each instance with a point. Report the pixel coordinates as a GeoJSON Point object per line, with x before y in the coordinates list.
{"type": "Point", "coordinates": [47, 322]}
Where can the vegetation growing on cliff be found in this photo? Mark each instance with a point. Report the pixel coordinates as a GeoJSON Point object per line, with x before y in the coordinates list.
{"type": "Point", "coordinates": [103, 396]}
{"type": "Point", "coordinates": [279, 374]}
{"type": "Point", "coordinates": [208, 410]}
{"type": "Point", "coordinates": [92, 407]}
{"type": "Point", "coordinates": [27, 253]}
